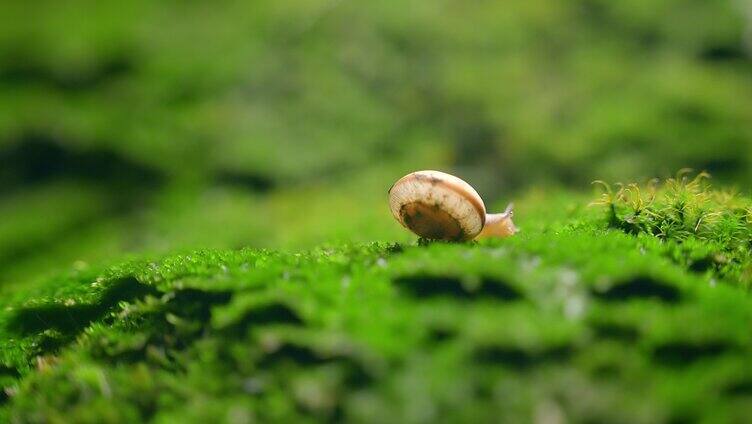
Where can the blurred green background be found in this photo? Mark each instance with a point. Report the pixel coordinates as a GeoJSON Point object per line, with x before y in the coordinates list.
{"type": "Point", "coordinates": [144, 127]}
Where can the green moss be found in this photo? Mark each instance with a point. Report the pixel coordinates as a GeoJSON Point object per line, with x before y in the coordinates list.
{"type": "Point", "coordinates": [703, 228]}
{"type": "Point", "coordinates": [568, 318]}
{"type": "Point", "coordinates": [169, 172]}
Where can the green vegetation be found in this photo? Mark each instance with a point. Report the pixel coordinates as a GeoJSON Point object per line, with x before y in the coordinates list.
{"type": "Point", "coordinates": [707, 229]}
{"type": "Point", "coordinates": [224, 116]}
{"type": "Point", "coordinates": [194, 225]}
{"type": "Point", "coordinates": [569, 319]}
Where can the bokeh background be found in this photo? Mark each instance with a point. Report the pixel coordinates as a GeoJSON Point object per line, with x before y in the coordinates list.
{"type": "Point", "coordinates": [143, 127]}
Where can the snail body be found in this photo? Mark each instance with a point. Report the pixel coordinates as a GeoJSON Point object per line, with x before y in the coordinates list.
{"type": "Point", "coordinates": [439, 206]}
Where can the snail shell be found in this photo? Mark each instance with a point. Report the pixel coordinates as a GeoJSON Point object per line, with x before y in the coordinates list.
{"type": "Point", "coordinates": [438, 206]}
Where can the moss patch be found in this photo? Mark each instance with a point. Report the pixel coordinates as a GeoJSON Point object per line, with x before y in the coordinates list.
{"type": "Point", "coordinates": [707, 230]}
{"type": "Point", "coordinates": [570, 318]}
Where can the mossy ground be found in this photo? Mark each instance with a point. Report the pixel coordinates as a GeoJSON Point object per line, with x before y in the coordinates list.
{"type": "Point", "coordinates": [569, 319]}
{"type": "Point", "coordinates": [170, 170]}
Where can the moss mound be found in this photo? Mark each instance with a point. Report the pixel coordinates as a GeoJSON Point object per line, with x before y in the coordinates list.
{"type": "Point", "coordinates": [706, 229]}
{"type": "Point", "coordinates": [571, 319]}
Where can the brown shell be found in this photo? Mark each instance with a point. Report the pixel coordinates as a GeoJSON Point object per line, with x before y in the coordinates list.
{"type": "Point", "coordinates": [438, 206]}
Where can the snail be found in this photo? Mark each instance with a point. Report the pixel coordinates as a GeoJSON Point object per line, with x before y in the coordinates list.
{"type": "Point", "coordinates": [438, 206]}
